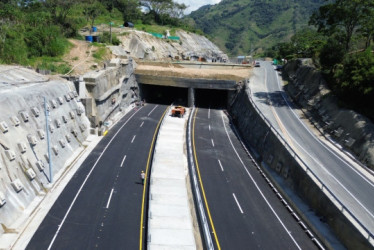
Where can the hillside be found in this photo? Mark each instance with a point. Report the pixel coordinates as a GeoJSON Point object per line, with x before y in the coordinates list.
{"type": "Point", "coordinates": [239, 26]}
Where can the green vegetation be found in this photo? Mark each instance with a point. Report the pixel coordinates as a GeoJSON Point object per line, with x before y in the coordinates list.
{"type": "Point", "coordinates": [246, 27]}
{"type": "Point", "coordinates": [341, 47]}
{"type": "Point", "coordinates": [35, 32]}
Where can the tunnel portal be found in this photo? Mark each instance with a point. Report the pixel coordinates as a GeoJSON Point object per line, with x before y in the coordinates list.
{"type": "Point", "coordinates": [203, 98]}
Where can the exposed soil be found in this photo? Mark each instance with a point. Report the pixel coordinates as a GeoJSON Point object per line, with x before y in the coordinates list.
{"type": "Point", "coordinates": [166, 69]}
{"type": "Point", "coordinates": [80, 57]}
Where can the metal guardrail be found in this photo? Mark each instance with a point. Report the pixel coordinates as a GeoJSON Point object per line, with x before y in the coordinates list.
{"type": "Point", "coordinates": [325, 189]}
{"type": "Point", "coordinates": [199, 202]}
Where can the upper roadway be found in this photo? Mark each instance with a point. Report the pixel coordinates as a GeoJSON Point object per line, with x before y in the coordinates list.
{"type": "Point", "coordinates": [344, 177]}
{"type": "Point", "coordinates": [101, 206]}
{"type": "Point", "coordinates": [245, 212]}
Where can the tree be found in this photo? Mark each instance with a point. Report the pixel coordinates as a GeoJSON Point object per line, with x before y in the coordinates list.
{"type": "Point", "coordinates": [341, 16]}
{"type": "Point", "coordinates": [92, 9]}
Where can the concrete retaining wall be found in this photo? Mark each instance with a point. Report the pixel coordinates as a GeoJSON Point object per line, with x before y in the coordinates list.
{"type": "Point", "coordinates": [108, 89]}
{"type": "Point", "coordinates": [24, 144]}
{"type": "Point", "coordinates": [351, 130]}
{"type": "Point", "coordinates": [272, 151]}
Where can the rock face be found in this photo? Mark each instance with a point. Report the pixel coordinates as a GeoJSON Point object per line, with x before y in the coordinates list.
{"type": "Point", "coordinates": [106, 90]}
{"type": "Point", "coordinates": [190, 46]}
{"type": "Point", "coordinates": [351, 130]}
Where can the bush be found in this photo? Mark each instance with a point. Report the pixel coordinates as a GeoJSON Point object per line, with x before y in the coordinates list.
{"type": "Point", "coordinates": [105, 38]}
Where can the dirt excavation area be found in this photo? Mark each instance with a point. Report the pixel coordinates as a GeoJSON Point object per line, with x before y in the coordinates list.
{"type": "Point", "coordinates": [175, 70]}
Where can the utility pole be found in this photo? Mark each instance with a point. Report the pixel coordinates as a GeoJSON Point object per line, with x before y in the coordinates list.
{"type": "Point", "coordinates": [110, 31]}
{"type": "Point", "coordinates": [48, 145]}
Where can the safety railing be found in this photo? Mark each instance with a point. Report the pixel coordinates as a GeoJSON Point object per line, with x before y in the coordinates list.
{"type": "Point", "coordinates": [369, 235]}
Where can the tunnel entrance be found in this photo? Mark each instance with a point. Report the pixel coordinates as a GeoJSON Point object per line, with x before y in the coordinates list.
{"type": "Point", "coordinates": [213, 98]}
{"type": "Point", "coordinates": [164, 94]}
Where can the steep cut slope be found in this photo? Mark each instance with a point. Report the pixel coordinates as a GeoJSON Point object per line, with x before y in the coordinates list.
{"type": "Point", "coordinates": [239, 26]}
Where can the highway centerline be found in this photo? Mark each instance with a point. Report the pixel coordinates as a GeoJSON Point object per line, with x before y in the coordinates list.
{"type": "Point", "coordinates": [152, 110]}
{"type": "Point", "coordinates": [133, 139]}
{"type": "Point", "coordinates": [123, 160]}
{"type": "Point", "coordinates": [110, 197]}
{"type": "Point", "coordinates": [237, 203]}
{"type": "Point", "coordinates": [219, 162]}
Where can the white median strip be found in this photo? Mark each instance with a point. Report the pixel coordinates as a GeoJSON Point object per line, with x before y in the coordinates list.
{"type": "Point", "coordinates": [110, 197]}
{"type": "Point", "coordinates": [237, 203]}
{"type": "Point", "coordinates": [123, 160]}
{"type": "Point", "coordinates": [219, 162]}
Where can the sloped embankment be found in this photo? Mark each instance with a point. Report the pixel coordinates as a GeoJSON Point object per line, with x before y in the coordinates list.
{"type": "Point", "coordinates": [354, 132]}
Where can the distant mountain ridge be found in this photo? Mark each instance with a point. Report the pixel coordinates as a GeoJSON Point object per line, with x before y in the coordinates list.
{"type": "Point", "coordinates": [242, 26]}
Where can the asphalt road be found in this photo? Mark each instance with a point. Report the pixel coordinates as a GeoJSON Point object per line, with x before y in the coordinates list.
{"type": "Point", "coordinates": [101, 206]}
{"type": "Point", "coordinates": [339, 174]}
{"type": "Point", "coordinates": [245, 212]}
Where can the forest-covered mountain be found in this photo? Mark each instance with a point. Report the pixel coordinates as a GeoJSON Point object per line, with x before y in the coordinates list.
{"type": "Point", "coordinates": [240, 26]}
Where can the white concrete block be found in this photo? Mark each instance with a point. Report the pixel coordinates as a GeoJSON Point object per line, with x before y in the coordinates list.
{"type": "Point", "coordinates": [25, 116]}
{"type": "Point", "coordinates": [53, 104]}
{"type": "Point", "coordinates": [64, 119]}
{"type": "Point", "coordinates": [68, 138]}
{"type": "Point", "coordinates": [32, 139]}
{"type": "Point", "coordinates": [67, 97]}
{"type": "Point", "coordinates": [60, 100]}
{"type": "Point", "coordinates": [30, 173]}
{"type": "Point", "coordinates": [22, 147]}
{"type": "Point", "coordinates": [40, 165]}
{"type": "Point", "coordinates": [62, 143]}
{"type": "Point", "coordinates": [35, 111]}
{"type": "Point", "coordinates": [10, 154]}
{"type": "Point", "coordinates": [15, 120]}
{"type": "Point", "coordinates": [41, 133]}
{"type": "Point", "coordinates": [17, 185]}
{"type": "Point", "coordinates": [57, 123]}
{"type": "Point", "coordinates": [55, 149]}
{"type": "Point", "coordinates": [72, 115]}
{"type": "Point", "coordinates": [3, 127]}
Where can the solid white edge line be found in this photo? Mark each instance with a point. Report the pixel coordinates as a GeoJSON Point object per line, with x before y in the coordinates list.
{"type": "Point", "coordinates": [133, 139]}
{"type": "Point", "coordinates": [237, 203]}
{"type": "Point", "coordinates": [257, 187]}
{"type": "Point", "coordinates": [323, 167]}
{"type": "Point", "coordinates": [123, 160]}
{"type": "Point", "coordinates": [110, 197]}
{"type": "Point", "coordinates": [85, 180]}
{"type": "Point", "coordinates": [318, 140]}
{"type": "Point", "coordinates": [219, 162]}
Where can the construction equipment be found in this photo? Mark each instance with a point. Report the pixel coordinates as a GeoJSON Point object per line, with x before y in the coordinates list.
{"type": "Point", "coordinates": [178, 111]}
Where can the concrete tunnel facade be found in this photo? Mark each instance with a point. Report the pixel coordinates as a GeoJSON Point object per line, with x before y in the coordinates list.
{"type": "Point", "coordinates": [186, 91]}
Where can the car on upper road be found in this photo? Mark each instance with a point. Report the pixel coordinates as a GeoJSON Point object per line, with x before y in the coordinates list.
{"type": "Point", "coordinates": [257, 64]}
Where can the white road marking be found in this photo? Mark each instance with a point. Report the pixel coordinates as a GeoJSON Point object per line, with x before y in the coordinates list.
{"type": "Point", "coordinates": [237, 203]}
{"type": "Point", "coordinates": [209, 127]}
{"type": "Point", "coordinates": [321, 165]}
{"type": "Point", "coordinates": [212, 142]}
{"type": "Point", "coordinates": [219, 162]}
{"type": "Point", "coordinates": [141, 125]}
{"type": "Point", "coordinates": [152, 110]}
{"type": "Point", "coordinates": [319, 141]}
{"type": "Point", "coordinates": [110, 197]}
{"type": "Point", "coordinates": [84, 182]}
{"type": "Point", "coordinates": [257, 187]}
{"type": "Point", "coordinates": [123, 160]}
{"type": "Point", "coordinates": [133, 139]}
{"type": "Point", "coordinates": [209, 113]}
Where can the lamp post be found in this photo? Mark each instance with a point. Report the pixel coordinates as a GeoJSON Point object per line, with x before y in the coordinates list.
{"type": "Point", "coordinates": [48, 145]}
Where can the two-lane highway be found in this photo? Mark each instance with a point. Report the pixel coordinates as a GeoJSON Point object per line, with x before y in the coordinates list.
{"type": "Point", "coordinates": [102, 205]}
{"type": "Point", "coordinates": [339, 174]}
{"type": "Point", "coordinates": [244, 211]}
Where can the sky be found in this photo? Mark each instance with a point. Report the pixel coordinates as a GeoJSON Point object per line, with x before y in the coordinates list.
{"type": "Point", "coordinates": [195, 4]}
